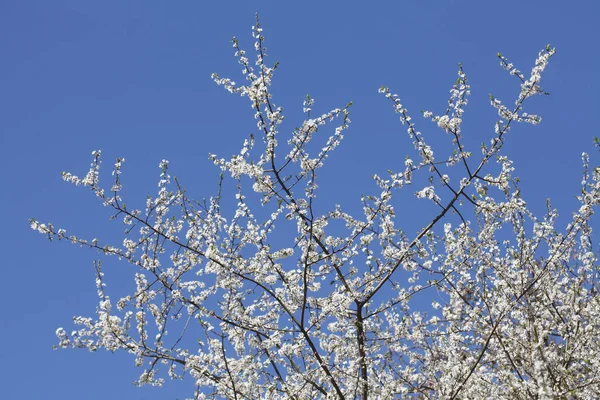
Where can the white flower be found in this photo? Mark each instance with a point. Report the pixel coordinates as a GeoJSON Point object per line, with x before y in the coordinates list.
{"type": "Point", "coordinates": [443, 121]}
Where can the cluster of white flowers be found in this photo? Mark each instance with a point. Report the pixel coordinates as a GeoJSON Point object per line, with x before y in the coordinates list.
{"type": "Point", "coordinates": [336, 311]}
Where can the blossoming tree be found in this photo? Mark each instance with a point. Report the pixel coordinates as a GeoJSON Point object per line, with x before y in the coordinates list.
{"type": "Point", "coordinates": [330, 312]}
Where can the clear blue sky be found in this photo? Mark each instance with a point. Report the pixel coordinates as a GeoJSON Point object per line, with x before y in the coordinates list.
{"type": "Point", "coordinates": [133, 78]}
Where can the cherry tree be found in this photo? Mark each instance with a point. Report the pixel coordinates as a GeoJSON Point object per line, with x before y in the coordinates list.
{"type": "Point", "coordinates": [276, 300]}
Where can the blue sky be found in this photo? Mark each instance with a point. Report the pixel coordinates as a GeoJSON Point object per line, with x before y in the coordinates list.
{"type": "Point", "coordinates": [133, 78]}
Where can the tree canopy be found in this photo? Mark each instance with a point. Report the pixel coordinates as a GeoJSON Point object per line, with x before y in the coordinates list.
{"type": "Point", "coordinates": [277, 298]}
